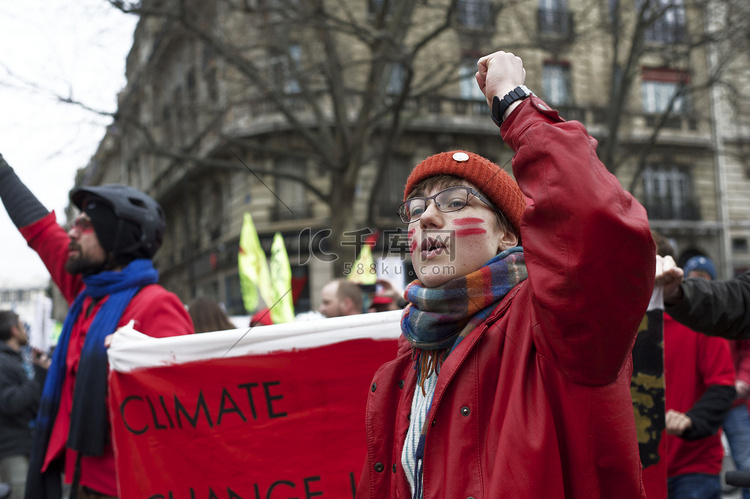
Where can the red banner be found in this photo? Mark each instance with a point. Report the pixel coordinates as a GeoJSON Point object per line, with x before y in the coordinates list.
{"type": "Point", "coordinates": [282, 424]}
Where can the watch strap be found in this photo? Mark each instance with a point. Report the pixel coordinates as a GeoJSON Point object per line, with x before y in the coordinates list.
{"type": "Point", "coordinates": [499, 106]}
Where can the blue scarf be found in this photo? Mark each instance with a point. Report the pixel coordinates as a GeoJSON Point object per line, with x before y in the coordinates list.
{"type": "Point", "coordinates": [89, 427]}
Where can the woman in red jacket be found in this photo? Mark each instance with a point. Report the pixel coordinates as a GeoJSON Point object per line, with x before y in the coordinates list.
{"type": "Point", "coordinates": [513, 374]}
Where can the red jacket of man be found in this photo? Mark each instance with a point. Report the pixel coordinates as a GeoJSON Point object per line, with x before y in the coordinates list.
{"type": "Point", "coordinates": [156, 312]}
{"type": "Point", "coordinates": [535, 402]}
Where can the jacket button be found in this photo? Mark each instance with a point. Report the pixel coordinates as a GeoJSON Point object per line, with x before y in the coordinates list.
{"type": "Point", "coordinates": [394, 468]}
{"type": "Point", "coordinates": [401, 384]}
{"type": "Point", "coordinates": [433, 422]}
{"type": "Point", "coordinates": [470, 497]}
{"type": "Point", "coordinates": [465, 411]}
{"type": "Point", "coordinates": [374, 386]}
{"type": "Point", "coordinates": [379, 467]}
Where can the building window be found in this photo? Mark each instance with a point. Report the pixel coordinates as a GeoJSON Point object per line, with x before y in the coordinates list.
{"type": "Point", "coordinates": [391, 191]}
{"type": "Point", "coordinates": [474, 13]}
{"type": "Point", "coordinates": [291, 196]}
{"type": "Point", "coordinates": [376, 6]}
{"type": "Point", "coordinates": [665, 20]}
{"type": "Point", "coordinates": [739, 245]}
{"type": "Point", "coordinates": [468, 87]}
{"type": "Point", "coordinates": [233, 293]}
{"type": "Point", "coordinates": [660, 87]}
{"type": "Point", "coordinates": [284, 67]}
{"type": "Point", "coordinates": [395, 84]}
{"type": "Point", "coordinates": [212, 214]}
{"type": "Point", "coordinates": [192, 97]}
{"type": "Point", "coordinates": [668, 193]}
{"type": "Point", "coordinates": [553, 17]}
{"type": "Point", "coordinates": [556, 84]}
{"type": "Point", "coordinates": [210, 74]}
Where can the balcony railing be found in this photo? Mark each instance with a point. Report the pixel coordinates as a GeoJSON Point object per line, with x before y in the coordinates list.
{"type": "Point", "coordinates": [260, 115]}
{"type": "Point", "coordinates": [682, 122]}
{"type": "Point", "coordinates": [666, 209]}
{"type": "Point", "coordinates": [665, 32]}
{"type": "Point", "coordinates": [474, 14]}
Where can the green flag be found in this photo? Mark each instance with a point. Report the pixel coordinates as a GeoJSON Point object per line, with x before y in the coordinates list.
{"type": "Point", "coordinates": [255, 278]}
{"type": "Point", "coordinates": [281, 281]}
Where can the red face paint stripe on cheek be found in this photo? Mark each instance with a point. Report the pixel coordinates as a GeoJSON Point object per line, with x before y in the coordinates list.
{"type": "Point", "coordinates": [470, 232]}
{"type": "Point", "coordinates": [468, 221]}
{"type": "Point", "coordinates": [412, 243]}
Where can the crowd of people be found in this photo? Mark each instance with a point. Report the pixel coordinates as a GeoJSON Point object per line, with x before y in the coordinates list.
{"type": "Point", "coordinates": [700, 381]}
{"type": "Point", "coordinates": [516, 334]}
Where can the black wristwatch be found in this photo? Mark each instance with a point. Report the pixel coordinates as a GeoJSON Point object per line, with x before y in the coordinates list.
{"type": "Point", "coordinates": [499, 106]}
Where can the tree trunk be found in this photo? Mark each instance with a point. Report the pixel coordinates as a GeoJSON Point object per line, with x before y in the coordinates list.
{"type": "Point", "coordinates": [345, 238]}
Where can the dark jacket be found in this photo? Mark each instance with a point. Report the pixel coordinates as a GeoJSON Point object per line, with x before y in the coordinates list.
{"type": "Point", "coordinates": [716, 308]}
{"type": "Point", "coordinates": [19, 401]}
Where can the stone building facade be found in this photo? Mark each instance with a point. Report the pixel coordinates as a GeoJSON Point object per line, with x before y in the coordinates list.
{"type": "Point", "coordinates": [201, 134]}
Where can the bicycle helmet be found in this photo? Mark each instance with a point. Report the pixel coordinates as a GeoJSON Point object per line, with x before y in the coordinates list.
{"type": "Point", "coordinates": [140, 220]}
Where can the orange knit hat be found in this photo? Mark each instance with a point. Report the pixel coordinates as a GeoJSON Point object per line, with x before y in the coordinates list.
{"type": "Point", "coordinates": [488, 177]}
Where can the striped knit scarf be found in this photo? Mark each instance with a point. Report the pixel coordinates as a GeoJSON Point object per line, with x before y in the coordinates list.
{"type": "Point", "coordinates": [438, 319]}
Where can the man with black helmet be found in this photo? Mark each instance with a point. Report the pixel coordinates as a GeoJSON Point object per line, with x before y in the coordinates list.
{"type": "Point", "coordinates": [103, 268]}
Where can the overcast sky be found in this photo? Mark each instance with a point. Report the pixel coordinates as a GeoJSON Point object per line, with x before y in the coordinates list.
{"type": "Point", "coordinates": [74, 49]}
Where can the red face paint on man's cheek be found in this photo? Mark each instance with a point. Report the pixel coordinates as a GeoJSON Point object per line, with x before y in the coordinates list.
{"type": "Point", "coordinates": [468, 221]}
{"type": "Point", "coordinates": [474, 231]}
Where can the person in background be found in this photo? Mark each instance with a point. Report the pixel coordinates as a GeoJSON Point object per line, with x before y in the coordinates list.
{"type": "Point", "coordinates": [103, 268]}
{"type": "Point", "coordinates": [310, 315]}
{"type": "Point", "coordinates": [716, 308]}
{"type": "Point", "coordinates": [512, 377]}
{"type": "Point", "coordinates": [384, 302]}
{"type": "Point", "coordinates": [386, 298]}
{"type": "Point", "coordinates": [736, 425]}
{"type": "Point", "coordinates": [19, 401]}
{"type": "Point", "coordinates": [208, 315]}
{"type": "Point", "coordinates": [340, 297]}
{"type": "Point", "coordinates": [261, 318]}
{"type": "Point", "coordinates": [700, 266]}
{"type": "Point", "coordinates": [699, 383]}
{"type": "Point", "coordinates": [663, 246]}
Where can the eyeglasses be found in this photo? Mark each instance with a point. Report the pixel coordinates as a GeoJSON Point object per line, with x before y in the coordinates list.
{"type": "Point", "coordinates": [82, 224]}
{"type": "Point", "coordinates": [447, 200]}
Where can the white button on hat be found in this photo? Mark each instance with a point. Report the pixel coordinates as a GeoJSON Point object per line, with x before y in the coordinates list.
{"type": "Point", "coordinates": [461, 156]}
